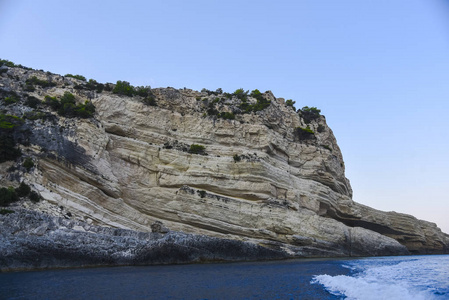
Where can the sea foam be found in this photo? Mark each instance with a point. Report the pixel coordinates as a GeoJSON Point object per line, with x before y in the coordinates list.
{"type": "Point", "coordinates": [414, 277]}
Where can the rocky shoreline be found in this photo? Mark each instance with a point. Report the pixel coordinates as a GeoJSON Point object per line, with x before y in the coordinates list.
{"type": "Point", "coordinates": [30, 240]}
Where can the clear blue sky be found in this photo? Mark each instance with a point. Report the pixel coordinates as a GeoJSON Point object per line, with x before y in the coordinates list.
{"type": "Point", "coordinates": [378, 70]}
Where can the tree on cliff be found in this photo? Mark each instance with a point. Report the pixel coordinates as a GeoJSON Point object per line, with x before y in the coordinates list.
{"type": "Point", "coordinates": [123, 88]}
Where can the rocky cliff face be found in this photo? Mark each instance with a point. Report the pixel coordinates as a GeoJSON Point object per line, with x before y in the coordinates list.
{"type": "Point", "coordinates": [258, 172]}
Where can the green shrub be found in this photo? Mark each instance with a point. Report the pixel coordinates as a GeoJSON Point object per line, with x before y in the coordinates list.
{"type": "Point", "coordinates": [313, 110]}
{"type": "Point", "coordinates": [67, 98]}
{"type": "Point", "coordinates": [227, 95]}
{"type": "Point", "coordinates": [108, 87]}
{"type": "Point", "coordinates": [32, 102]}
{"type": "Point", "coordinates": [67, 110]}
{"type": "Point", "coordinates": [211, 110]}
{"type": "Point", "coordinates": [85, 110]}
{"type": "Point", "coordinates": [34, 197]}
{"type": "Point", "coordinates": [8, 125]}
{"type": "Point", "coordinates": [197, 149]}
{"type": "Point", "coordinates": [202, 193]}
{"type": "Point", "coordinates": [79, 87]}
{"type": "Point", "coordinates": [255, 93]}
{"type": "Point", "coordinates": [36, 81]}
{"type": "Point", "coordinates": [29, 87]}
{"type": "Point", "coordinates": [8, 150]}
{"type": "Point", "coordinates": [53, 102]}
{"type": "Point", "coordinates": [123, 88]}
{"type": "Point", "coordinates": [304, 133]}
{"type": "Point", "coordinates": [79, 77]}
{"type": "Point", "coordinates": [261, 104]}
{"type": "Point", "coordinates": [100, 88]}
{"type": "Point", "coordinates": [241, 94]}
{"type": "Point", "coordinates": [28, 163]}
{"type": "Point", "coordinates": [150, 100]}
{"type": "Point", "coordinates": [36, 115]}
{"type": "Point", "coordinates": [309, 113]}
{"type": "Point", "coordinates": [307, 129]}
{"type": "Point", "coordinates": [4, 62]}
{"type": "Point", "coordinates": [67, 106]}
{"type": "Point", "coordinates": [11, 100]}
{"type": "Point", "coordinates": [209, 92]}
{"type": "Point", "coordinates": [290, 103]}
{"type": "Point", "coordinates": [92, 85]}
{"type": "Point", "coordinates": [23, 190]}
{"type": "Point", "coordinates": [327, 147]}
{"type": "Point", "coordinates": [143, 91]}
{"type": "Point", "coordinates": [7, 196]}
{"type": "Point", "coordinates": [4, 211]}
{"type": "Point", "coordinates": [226, 115]}
{"type": "Point", "coordinates": [9, 97]}
{"type": "Point", "coordinates": [237, 158]}
{"type": "Point", "coordinates": [8, 122]}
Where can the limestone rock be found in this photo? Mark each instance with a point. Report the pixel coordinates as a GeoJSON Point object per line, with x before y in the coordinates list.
{"type": "Point", "coordinates": [99, 246]}
{"type": "Point", "coordinates": [158, 227]}
{"type": "Point", "coordinates": [129, 167]}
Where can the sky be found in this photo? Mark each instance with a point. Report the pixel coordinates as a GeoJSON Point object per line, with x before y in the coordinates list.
{"type": "Point", "coordinates": [378, 70]}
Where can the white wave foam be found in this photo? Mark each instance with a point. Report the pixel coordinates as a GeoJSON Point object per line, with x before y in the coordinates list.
{"type": "Point", "coordinates": [424, 277]}
{"type": "Point", "coordinates": [349, 267]}
{"type": "Point", "coordinates": [361, 289]}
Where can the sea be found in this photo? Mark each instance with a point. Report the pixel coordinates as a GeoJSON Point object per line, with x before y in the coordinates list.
{"type": "Point", "coordinates": [403, 277]}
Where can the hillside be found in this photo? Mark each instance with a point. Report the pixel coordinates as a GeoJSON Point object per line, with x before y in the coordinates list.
{"type": "Point", "coordinates": [213, 176]}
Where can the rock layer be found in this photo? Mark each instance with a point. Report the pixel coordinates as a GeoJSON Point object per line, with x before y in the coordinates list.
{"type": "Point", "coordinates": [261, 180]}
{"type": "Point", "coordinates": [31, 240]}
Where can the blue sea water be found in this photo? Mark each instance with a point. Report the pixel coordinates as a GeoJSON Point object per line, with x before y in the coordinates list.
{"type": "Point", "coordinates": [406, 277]}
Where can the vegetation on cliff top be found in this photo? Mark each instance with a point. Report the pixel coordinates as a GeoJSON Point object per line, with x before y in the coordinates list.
{"type": "Point", "coordinates": [126, 89]}
{"type": "Point", "coordinates": [309, 113]}
{"type": "Point", "coordinates": [36, 81]}
{"type": "Point", "coordinates": [79, 77]}
{"type": "Point", "coordinates": [217, 104]}
{"type": "Point", "coordinates": [7, 63]}
{"type": "Point", "coordinates": [67, 106]}
{"type": "Point", "coordinates": [93, 85]}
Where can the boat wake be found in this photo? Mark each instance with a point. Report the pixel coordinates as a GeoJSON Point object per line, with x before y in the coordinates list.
{"type": "Point", "coordinates": [413, 277]}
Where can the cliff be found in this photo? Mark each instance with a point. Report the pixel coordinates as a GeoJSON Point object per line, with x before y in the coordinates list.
{"type": "Point", "coordinates": [242, 169]}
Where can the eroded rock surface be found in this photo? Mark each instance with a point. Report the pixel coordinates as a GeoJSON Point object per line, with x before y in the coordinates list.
{"type": "Point", "coordinates": [261, 179]}
{"type": "Point", "coordinates": [32, 240]}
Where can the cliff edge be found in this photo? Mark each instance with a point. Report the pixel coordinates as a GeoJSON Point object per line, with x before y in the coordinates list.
{"type": "Point", "coordinates": [241, 170]}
